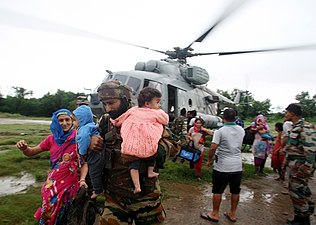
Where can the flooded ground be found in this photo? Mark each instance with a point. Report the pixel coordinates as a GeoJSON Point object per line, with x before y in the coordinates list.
{"type": "Point", "coordinates": [11, 185]}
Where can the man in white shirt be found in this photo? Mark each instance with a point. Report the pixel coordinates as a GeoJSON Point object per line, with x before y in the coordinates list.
{"type": "Point", "coordinates": [227, 169]}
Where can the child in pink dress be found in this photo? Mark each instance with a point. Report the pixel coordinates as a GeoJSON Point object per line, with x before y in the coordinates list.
{"type": "Point", "coordinates": [141, 129]}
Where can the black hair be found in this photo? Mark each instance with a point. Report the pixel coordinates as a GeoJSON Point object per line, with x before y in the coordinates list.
{"type": "Point", "coordinates": [183, 111]}
{"type": "Point", "coordinates": [199, 119]}
{"type": "Point", "coordinates": [147, 94]}
{"type": "Point", "coordinates": [229, 114]}
{"type": "Point", "coordinates": [294, 108]}
{"type": "Point", "coordinates": [279, 126]}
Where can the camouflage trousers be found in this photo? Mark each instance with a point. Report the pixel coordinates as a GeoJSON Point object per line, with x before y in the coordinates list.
{"type": "Point", "coordinates": [299, 190]}
{"type": "Point", "coordinates": [146, 210]}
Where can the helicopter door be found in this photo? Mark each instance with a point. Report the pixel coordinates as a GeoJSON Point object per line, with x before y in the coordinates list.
{"type": "Point", "coordinates": [172, 102]}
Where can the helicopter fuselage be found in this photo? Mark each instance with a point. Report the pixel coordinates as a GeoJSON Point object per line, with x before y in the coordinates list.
{"type": "Point", "coordinates": [177, 92]}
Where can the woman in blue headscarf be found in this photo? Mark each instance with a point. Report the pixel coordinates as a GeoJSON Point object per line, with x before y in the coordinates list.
{"type": "Point", "coordinates": [62, 184]}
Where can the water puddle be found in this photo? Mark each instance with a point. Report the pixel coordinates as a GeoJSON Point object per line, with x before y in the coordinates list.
{"type": "Point", "coordinates": [12, 185]}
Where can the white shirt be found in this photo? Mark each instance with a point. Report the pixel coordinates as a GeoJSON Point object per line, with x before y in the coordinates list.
{"type": "Point", "coordinates": [228, 153]}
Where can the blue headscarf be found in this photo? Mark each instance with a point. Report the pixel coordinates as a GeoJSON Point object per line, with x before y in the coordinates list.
{"type": "Point", "coordinates": [59, 135]}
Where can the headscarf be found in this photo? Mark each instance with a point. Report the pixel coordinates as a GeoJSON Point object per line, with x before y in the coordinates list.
{"type": "Point", "coordinates": [263, 120]}
{"type": "Point", "coordinates": [60, 135]}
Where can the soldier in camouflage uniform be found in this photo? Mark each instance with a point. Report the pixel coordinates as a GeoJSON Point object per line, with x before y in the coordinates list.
{"type": "Point", "coordinates": [122, 206]}
{"type": "Point", "coordinates": [300, 158]}
{"type": "Point", "coordinates": [180, 126]}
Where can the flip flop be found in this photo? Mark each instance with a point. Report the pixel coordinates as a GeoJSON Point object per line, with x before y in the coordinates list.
{"type": "Point", "coordinates": [207, 217]}
{"type": "Point", "coordinates": [229, 218]}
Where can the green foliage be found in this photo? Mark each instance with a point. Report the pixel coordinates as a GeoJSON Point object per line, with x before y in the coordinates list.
{"type": "Point", "coordinates": [44, 106]}
{"type": "Point", "coordinates": [308, 104]}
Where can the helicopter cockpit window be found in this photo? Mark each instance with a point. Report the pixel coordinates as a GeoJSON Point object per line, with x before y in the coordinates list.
{"type": "Point", "coordinates": [153, 84]}
{"type": "Point", "coordinates": [134, 83]}
{"type": "Point", "coordinates": [121, 78]}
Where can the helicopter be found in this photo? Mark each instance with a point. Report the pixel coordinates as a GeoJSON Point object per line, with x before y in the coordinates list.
{"type": "Point", "coordinates": [182, 85]}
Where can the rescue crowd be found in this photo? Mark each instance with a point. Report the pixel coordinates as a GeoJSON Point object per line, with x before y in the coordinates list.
{"type": "Point", "coordinates": [120, 157]}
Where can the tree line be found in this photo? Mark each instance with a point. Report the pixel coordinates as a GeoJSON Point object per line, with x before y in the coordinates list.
{"type": "Point", "coordinates": [37, 107]}
{"type": "Point", "coordinates": [247, 107]}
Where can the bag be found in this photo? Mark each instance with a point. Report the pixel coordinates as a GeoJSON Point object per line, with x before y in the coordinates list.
{"type": "Point", "coordinates": [189, 153]}
{"type": "Point", "coordinates": [249, 137]}
{"type": "Point", "coordinates": [82, 210]}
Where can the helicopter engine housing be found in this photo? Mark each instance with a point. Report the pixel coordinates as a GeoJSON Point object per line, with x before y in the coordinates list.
{"type": "Point", "coordinates": [195, 75]}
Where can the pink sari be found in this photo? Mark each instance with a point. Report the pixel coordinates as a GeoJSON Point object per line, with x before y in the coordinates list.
{"type": "Point", "coordinates": [62, 182]}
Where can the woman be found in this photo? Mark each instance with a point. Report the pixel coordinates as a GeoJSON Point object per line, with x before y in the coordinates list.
{"type": "Point", "coordinates": [62, 182]}
{"type": "Point", "coordinates": [197, 135]}
{"type": "Point", "coordinates": [260, 127]}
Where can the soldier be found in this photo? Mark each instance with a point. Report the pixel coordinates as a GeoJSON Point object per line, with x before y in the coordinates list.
{"type": "Point", "coordinates": [180, 126]}
{"type": "Point", "coordinates": [300, 158]}
{"type": "Point", "coordinates": [122, 206]}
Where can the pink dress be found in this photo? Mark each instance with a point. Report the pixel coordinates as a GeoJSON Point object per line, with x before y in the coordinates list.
{"type": "Point", "coordinates": [141, 130]}
{"type": "Point", "coordinates": [62, 182]}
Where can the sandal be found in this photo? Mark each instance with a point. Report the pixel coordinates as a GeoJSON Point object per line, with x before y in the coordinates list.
{"type": "Point", "coordinates": [228, 216]}
{"type": "Point", "coordinates": [207, 217]}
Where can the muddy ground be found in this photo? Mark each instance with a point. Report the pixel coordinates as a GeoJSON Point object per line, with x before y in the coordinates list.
{"type": "Point", "coordinates": [261, 203]}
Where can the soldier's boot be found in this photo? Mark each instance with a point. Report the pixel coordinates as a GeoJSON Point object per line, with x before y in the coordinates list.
{"type": "Point", "coordinates": [298, 220]}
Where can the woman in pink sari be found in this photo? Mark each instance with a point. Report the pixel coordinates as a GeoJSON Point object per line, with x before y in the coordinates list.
{"type": "Point", "coordinates": [62, 182]}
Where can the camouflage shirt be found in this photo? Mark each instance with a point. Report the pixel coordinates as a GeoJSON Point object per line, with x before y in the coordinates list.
{"type": "Point", "coordinates": [180, 126]}
{"type": "Point", "coordinates": [301, 143]}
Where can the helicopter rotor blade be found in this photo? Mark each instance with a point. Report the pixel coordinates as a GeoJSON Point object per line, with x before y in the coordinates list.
{"type": "Point", "coordinates": [17, 19]}
{"type": "Point", "coordinates": [225, 15]}
{"type": "Point", "coordinates": [302, 47]}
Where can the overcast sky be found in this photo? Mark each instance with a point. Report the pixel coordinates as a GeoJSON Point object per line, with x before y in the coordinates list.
{"type": "Point", "coordinates": [50, 45]}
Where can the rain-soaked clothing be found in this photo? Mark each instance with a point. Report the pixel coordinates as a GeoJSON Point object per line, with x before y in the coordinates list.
{"type": "Point", "coordinates": [300, 158]}
{"type": "Point", "coordinates": [122, 206]}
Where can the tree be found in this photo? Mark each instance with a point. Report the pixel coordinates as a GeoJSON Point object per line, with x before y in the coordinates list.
{"type": "Point", "coordinates": [308, 104]}
{"type": "Point", "coordinates": [21, 92]}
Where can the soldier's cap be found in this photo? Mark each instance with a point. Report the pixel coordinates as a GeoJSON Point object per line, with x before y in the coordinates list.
{"type": "Point", "coordinates": [82, 100]}
{"type": "Point", "coordinates": [294, 108]}
{"type": "Point", "coordinates": [113, 89]}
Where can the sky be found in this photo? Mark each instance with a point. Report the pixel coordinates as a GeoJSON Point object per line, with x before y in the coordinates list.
{"type": "Point", "coordinates": [68, 45]}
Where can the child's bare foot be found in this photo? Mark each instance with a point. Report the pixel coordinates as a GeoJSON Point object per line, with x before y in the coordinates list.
{"type": "Point", "coordinates": [94, 195]}
{"type": "Point", "coordinates": [153, 174]}
{"type": "Point", "coordinates": [137, 190]}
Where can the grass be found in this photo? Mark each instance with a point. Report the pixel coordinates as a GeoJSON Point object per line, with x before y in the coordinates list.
{"type": "Point", "coordinates": [19, 208]}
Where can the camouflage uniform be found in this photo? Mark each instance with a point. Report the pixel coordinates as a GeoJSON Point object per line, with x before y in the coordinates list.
{"type": "Point", "coordinates": [122, 206]}
{"type": "Point", "coordinates": [180, 128]}
{"type": "Point", "coordinates": [300, 158]}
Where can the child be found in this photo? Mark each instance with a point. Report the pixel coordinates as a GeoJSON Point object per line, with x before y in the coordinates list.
{"type": "Point", "coordinates": [277, 153]}
{"type": "Point", "coordinates": [260, 127]}
{"type": "Point", "coordinates": [261, 152]}
{"type": "Point", "coordinates": [83, 121]}
{"type": "Point", "coordinates": [142, 127]}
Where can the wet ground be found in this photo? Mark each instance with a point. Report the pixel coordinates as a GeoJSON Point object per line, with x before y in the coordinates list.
{"type": "Point", "coordinates": [261, 203]}
{"type": "Point", "coordinates": [10, 185]}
